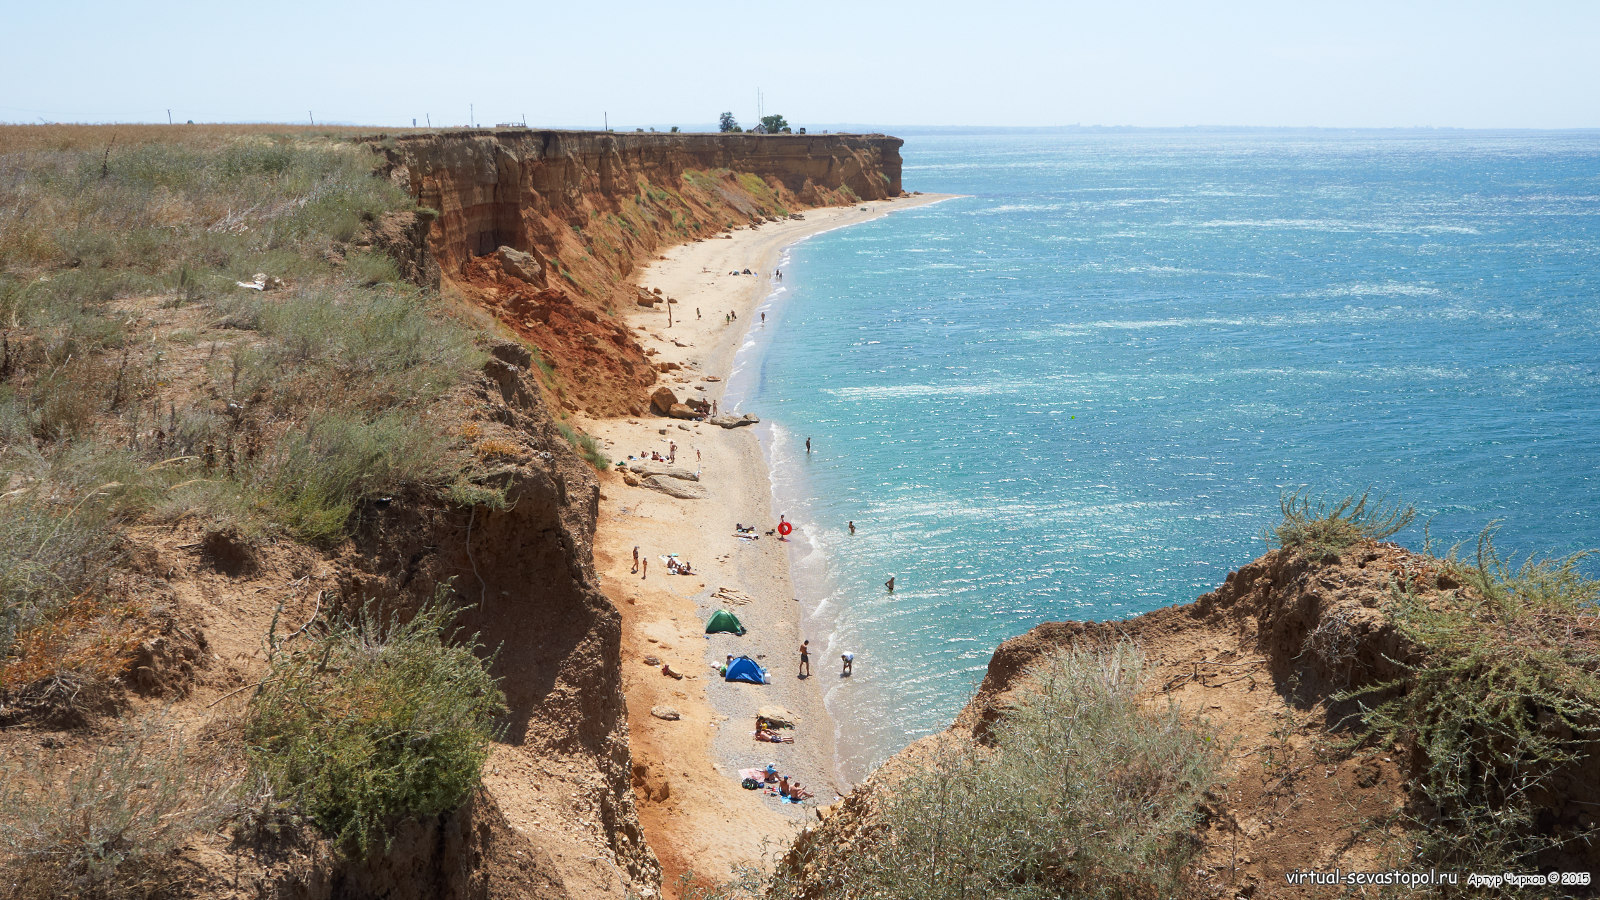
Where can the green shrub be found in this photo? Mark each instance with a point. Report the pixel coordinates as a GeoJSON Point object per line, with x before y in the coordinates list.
{"type": "Point", "coordinates": [104, 829]}
{"type": "Point", "coordinates": [586, 445]}
{"type": "Point", "coordinates": [1320, 530]}
{"type": "Point", "coordinates": [1084, 793]}
{"type": "Point", "coordinates": [1506, 696]}
{"type": "Point", "coordinates": [315, 477]}
{"type": "Point", "coordinates": [376, 720]}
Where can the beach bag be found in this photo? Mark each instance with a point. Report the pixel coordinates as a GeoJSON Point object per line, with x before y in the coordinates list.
{"type": "Point", "coordinates": [750, 784]}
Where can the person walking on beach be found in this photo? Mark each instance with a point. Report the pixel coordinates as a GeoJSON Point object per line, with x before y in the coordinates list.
{"type": "Point", "coordinates": [763, 318]}
{"type": "Point", "coordinates": [644, 569]}
{"type": "Point", "coordinates": [888, 584]}
{"type": "Point", "coordinates": [672, 451]}
{"type": "Point", "coordinates": [852, 528]}
{"type": "Point", "coordinates": [849, 660]}
{"type": "Point", "coordinates": [805, 658]}
{"type": "Point", "coordinates": [635, 559]}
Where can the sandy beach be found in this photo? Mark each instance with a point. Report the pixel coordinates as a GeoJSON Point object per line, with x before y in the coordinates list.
{"type": "Point", "coordinates": [694, 813]}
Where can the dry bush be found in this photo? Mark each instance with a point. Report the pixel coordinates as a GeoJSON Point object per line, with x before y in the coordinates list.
{"type": "Point", "coordinates": [107, 828]}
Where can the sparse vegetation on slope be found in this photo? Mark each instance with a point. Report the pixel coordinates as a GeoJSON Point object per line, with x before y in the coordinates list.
{"type": "Point", "coordinates": [141, 384]}
{"type": "Point", "coordinates": [104, 829]}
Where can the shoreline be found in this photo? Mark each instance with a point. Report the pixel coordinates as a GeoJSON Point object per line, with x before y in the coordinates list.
{"type": "Point", "coordinates": [694, 814]}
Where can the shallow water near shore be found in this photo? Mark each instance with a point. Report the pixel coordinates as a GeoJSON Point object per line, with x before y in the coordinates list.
{"type": "Point", "coordinates": [1078, 392]}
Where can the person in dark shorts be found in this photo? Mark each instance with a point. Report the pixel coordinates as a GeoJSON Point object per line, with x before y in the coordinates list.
{"type": "Point", "coordinates": [805, 658]}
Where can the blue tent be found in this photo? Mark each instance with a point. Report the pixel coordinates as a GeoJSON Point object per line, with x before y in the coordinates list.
{"type": "Point", "coordinates": [745, 669]}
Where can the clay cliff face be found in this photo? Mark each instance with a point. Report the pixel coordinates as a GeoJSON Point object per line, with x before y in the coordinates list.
{"type": "Point", "coordinates": [497, 188]}
{"type": "Point", "coordinates": [543, 228]}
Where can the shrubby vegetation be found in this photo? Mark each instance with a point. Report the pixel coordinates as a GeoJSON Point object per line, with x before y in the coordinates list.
{"type": "Point", "coordinates": [139, 384]}
{"type": "Point", "coordinates": [1083, 793]}
{"type": "Point", "coordinates": [586, 445]}
{"type": "Point", "coordinates": [1501, 704]}
{"type": "Point", "coordinates": [1505, 700]}
{"type": "Point", "coordinates": [378, 719]}
{"type": "Point", "coordinates": [1321, 530]}
{"type": "Point", "coordinates": [103, 829]}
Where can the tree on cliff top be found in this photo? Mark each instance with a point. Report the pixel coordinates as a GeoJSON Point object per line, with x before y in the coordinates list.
{"type": "Point", "coordinates": [775, 124]}
{"type": "Point", "coordinates": [728, 123]}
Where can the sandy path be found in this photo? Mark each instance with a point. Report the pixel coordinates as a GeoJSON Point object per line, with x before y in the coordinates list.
{"type": "Point", "coordinates": [693, 811]}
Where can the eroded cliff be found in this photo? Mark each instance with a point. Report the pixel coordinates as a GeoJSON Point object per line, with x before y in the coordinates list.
{"type": "Point", "coordinates": [1267, 663]}
{"type": "Point", "coordinates": [576, 211]}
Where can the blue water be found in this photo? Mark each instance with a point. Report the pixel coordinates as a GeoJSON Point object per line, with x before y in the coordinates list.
{"type": "Point", "coordinates": [1079, 391]}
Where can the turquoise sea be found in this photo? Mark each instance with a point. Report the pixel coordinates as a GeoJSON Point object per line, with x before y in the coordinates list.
{"type": "Point", "coordinates": [1078, 391]}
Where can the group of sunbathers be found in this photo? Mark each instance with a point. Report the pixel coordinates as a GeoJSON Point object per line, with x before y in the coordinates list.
{"type": "Point", "coordinates": [675, 567]}
{"type": "Point", "coordinates": [786, 788]}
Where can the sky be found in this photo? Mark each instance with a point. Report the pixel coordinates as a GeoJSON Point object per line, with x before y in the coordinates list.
{"type": "Point", "coordinates": [628, 63]}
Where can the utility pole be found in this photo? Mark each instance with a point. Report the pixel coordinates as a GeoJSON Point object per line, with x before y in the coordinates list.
{"type": "Point", "coordinates": [169, 117]}
{"type": "Point", "coordinates": [428, 117]}
{"type": "Point", "coordinates": [312, 118]}
{"type": "Point", "coordinates": [472, 116]}
{"type": "Point", "coordinates": [413, 121]}
{"type": "Point", "coordinates": [606, 117]}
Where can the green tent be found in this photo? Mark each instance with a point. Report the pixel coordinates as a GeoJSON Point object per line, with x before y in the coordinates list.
{"type": "Point", "coordinates": [722, 620]}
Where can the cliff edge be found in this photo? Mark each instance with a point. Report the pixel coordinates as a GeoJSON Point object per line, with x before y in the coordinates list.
{"type": "Point", "coordinates": [1286, 664]}
{"type": "Point", "coordinates": [543, 229]}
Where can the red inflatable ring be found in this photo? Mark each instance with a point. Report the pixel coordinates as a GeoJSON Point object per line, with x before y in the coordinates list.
{"type": "Point", "coordinates": [784, 528]}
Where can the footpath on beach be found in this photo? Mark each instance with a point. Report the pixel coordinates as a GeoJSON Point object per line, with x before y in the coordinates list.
{"type": "Point", "coordinates": [691, 732]}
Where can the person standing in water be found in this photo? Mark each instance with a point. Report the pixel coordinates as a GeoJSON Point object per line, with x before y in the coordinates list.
{"type": "Point", "coordinates": [849, 660]}
{"type": "Point", "coordinates": [890, 584]}
{"type": "Point", "coordinates": [808, 446]}
{"type": "Point", "coordinates": [805, 658]}
{"type": "Point", "coordinates": [852, 527]}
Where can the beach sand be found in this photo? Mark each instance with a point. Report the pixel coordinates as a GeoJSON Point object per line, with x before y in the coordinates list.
{"type": "Point", "coordinates": [694, 813]}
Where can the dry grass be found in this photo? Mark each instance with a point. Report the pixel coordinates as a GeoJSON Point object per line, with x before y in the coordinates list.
{"type": "Point", "coordinates": [106, 828]}
{"type": "Point", "coordinates": [274, 413]}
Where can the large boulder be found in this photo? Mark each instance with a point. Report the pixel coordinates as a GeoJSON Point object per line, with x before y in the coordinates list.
{"type": "Point", "coordinates": [648, 467]}
{"type": "Point", "coordinates": [663, 400]}
{"type": "Point", "coordinates": [727, 421]}
{"type": "Point", "coordinates": [522, 265]}
{"type": "Point", "coordinates": [676, 487]}
{"type": "Point", "coordinates": [682, 411]}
